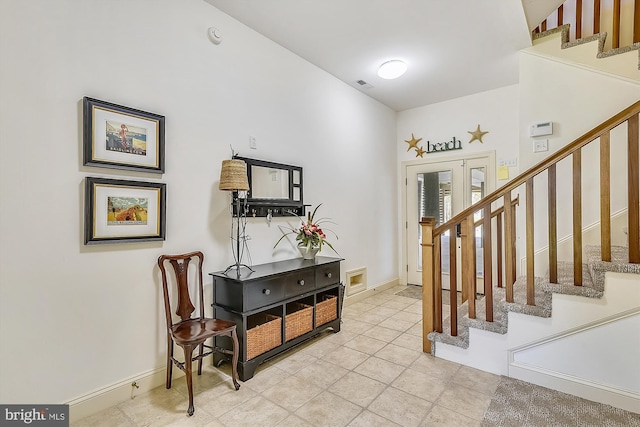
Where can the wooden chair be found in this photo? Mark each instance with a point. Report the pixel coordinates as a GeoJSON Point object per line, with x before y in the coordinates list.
{"type": "Point", "coordinates": [191, 332]}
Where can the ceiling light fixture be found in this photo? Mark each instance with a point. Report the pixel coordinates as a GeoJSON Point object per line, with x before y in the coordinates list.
{"type": "Point", "coordinates": [392, 69]}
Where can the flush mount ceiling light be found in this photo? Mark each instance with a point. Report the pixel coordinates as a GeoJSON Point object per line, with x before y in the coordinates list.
{"type": "Point", "coordinates": [392, 69]}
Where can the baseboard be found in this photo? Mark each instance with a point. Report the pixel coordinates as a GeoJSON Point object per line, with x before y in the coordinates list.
{"type": "Point", "coordinates": [628, 400]}
{"type": "Point", "coordinates": [371, 291]}
{"type": "Point", "coordinates": [577, 386]}
{"type": "Point", "coordinates": [122, 391]}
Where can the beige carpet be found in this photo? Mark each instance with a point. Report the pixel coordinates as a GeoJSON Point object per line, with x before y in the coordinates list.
{"type": "Point", "coordinates": [521, 404]}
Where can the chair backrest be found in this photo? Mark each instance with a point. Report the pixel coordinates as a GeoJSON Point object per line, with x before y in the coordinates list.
{"type": "Point", "coordinates": [185, 306]}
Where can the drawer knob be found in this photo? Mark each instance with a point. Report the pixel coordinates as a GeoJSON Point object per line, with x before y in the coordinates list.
{"type": "Point", "coordinates": [266, 291]}
{"type": "Point", "coordinates": [301, 282]}
{"type": "Point", "coordinates": [328, 275]}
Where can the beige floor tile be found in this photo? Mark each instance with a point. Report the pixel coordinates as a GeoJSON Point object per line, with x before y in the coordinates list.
{"type": "Point", "coordinates": [435, 367]}
{"type": "Point", "coordinates": [407, 317]}
{"type": "Point", "coordinates": [357, 388]}
{"type": "Point", "coordinates": [346, 358]}
{"type": "Point", "coordinates": [340, 338]}
{"type": "Point", "coordinates": [292, 393]}
{"type": "Point", "coordinates": [165, 407]}
{"type": "Point", "coordinates": [416, 329]}
{"type": "Point", "coordinates": [265, 378]}
{"type": "Point", "coordinates": [322, 373]}
{"type": "Point", "coordinates": [379, 370]}
{"type": "Point", "coordinates": [294, 421]}
{"type": "Point", "coordinates": [465, 401]}
{"type": "Point", "coordinates": [406, 340]}
{"type": "Point", "coordinates": [360, 307]}
{"type": "Point", "coordinates": [220, 399]}
{"type": "Point", "coordinates": [320, 348]}
{"type": "Point", "coordinates": [109, 417]}
{"type": "Point", "coordinates": [440, 416]}
{"type": "Point", "coordinates": [398, 355]}
{"type": "Point", "coordinates": [477, 380]}
{"type": "Point", "coordinates": [372, 317]}
{"type": "Point", "coordinates": [255, 412]}
{"type": "Point", "coordinates": [355, 326]}
{"type": "Point", "coordinates": [386, 311]}
{"type": "Point", "coordinates": [396, 304]}
{"type": "Point", "coordinates": [415, 308]}
{"type": "Point", "coordinates": [420, 384]}
{"type": "Point", "coordinates": [292, 363]}
{"type": "Point", "coordinates": [400, 407]}
{"type": "Point", "coordinates": [327, 409]}
{"type": "Point", "coordinates": [369, 419]}
{"type": "Point", "coordinates": [382, 334]}
{"type": "Point", "coordinates": [365, 344]}
{"type": "Point", "coordinates": [398, 325]}
{"type": "Point", "coordinates": [378, 299]}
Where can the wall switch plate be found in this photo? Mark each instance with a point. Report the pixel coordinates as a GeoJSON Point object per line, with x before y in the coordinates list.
{"type": "Point", "coordinates": [252, 143]}
{"type": "Point", "coordinates": [540, 145]}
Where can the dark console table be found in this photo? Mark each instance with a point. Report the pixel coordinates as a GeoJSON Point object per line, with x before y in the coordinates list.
{"type": "Point", "coordinates": [277, 306]}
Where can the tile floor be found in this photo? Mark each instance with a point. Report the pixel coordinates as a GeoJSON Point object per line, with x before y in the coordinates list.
{"type": "Point", "coordinates": [371, 373]}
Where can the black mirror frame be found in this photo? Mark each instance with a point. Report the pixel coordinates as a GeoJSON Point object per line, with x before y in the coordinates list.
{"type": "Point", "coordinates": [274, 207]}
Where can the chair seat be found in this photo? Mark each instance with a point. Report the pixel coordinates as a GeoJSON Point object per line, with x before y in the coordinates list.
{"type": "Point", "coordinates": [197, 330]}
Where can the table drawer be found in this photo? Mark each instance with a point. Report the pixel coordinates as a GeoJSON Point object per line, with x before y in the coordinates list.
{"type": "Point", "coordinates": [264, 293]}
{"type": "Point", "coordinates": [327, 275]}
{"type": "Point", "coordinates": [299, 283]}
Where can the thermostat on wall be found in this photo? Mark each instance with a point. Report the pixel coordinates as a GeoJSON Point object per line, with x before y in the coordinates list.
{"type": "Point", "coordinates": [541, 129]}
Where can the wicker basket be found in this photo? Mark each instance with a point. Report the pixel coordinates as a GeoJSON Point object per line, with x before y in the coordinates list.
{"type": "Point", "coordinates": [265, 335]}
{"type": "Point", "coordinates": [299, 320]}
{"type": "Point", "coordinates": [326, 309]}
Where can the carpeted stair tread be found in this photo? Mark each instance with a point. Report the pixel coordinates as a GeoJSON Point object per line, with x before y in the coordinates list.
{"type": "Point", "coordinates": [593, 272]}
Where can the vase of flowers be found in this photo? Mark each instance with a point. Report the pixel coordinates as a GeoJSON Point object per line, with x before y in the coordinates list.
{"type": "Point", "coordinates": [309, 235]}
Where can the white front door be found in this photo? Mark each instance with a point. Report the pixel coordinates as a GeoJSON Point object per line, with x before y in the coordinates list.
{"type": "Point", "coordinates": [441, 190]}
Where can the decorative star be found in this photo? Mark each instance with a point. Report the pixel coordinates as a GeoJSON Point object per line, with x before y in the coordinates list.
{"type": "Point", "coordinates": [419, 151]}
{"type": "Point", "coordinates": [413, 142]}
{"type": "Point", "coordinates": [478, 134]}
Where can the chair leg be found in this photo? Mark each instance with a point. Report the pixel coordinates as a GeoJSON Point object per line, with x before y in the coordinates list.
{"type": "Point", "coordinates": [188, 355]}
{"type": "Point", "coordinates": [169, 360]}
{"type": "Point", "coordinates": [234, 362]}
{"type": "Point", "coordinates": [200, 359]}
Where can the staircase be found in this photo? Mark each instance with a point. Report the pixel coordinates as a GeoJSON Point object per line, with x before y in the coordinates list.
{"type": "Point", "coordinates": [509, 317]}
{"type": "Point", "coordinates": [603, 35]}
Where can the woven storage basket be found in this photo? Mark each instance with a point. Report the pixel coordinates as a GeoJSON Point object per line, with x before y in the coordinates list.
{"type": "Point", "coordinates": [326, 309]}
{"type": "Point", "coordinates": [299, 320]}
{"type": "Point", "coordinates": [264, 336]}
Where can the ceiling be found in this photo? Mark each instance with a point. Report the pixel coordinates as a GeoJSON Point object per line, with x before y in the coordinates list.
{"type": "Point", "coordinates": [453, 48]}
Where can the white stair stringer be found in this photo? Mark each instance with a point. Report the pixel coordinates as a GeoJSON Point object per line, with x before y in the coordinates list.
{"type": "Point", "coordinates": [572, 316]}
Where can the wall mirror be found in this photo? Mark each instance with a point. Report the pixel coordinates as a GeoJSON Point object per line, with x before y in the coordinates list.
{"type": "Point", "coordinates": [274, 188]}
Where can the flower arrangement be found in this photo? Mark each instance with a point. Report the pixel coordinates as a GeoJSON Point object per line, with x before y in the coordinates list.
{"type": "Point", "coordinates": [310, 236]}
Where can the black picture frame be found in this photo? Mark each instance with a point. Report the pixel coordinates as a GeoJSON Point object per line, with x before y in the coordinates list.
{"type": "Point", "coordinates": [119, 137]}
{"type": "Point", "coordinates": [123, 211]}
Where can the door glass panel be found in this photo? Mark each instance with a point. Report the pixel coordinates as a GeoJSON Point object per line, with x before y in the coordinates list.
{"type": "Point", "coordinates": [478, 185]}
{"type": "Point", "coordinates": [434, 200]}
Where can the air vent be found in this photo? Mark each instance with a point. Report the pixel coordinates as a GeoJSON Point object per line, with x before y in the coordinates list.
{"type": "Point", "coordinates": [364, 84]}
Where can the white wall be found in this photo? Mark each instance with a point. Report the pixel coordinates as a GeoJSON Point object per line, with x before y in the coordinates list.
{"type": "Point", "coordinates": [576, 100]}
{"type": "Point", "coordinates": [496, 111]}
{"type": "Point", "coordinates": [75, 319]}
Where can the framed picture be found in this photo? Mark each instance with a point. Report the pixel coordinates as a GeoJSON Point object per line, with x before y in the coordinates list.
{"type": "Point", "coordinates": [117, 211]}
{"type": "Point", "coordinates": [122, 138]}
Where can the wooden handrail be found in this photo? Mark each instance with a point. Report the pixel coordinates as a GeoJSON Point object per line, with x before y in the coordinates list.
{"type": "Point", "coordinates": [542, 166]}
{"type": "Point", "coordinates": [505, 228]}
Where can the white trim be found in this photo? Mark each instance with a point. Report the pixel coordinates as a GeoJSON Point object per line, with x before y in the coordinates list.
{"type": "Point", "coordinates": [367, 293]}
{"type": "Point", "coordinates": [624, 399]}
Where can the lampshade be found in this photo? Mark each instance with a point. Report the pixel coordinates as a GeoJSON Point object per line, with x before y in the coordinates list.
{"type": "Point", "coordinates": [233, 176]}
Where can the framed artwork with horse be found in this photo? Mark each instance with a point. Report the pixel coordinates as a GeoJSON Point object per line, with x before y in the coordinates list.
{"type": "Point", "coordinates": [119, 211]}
